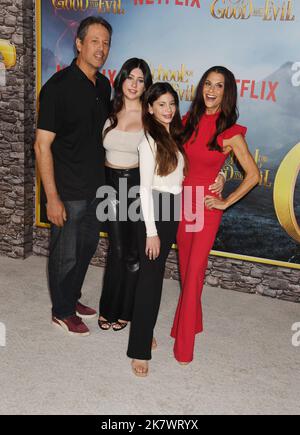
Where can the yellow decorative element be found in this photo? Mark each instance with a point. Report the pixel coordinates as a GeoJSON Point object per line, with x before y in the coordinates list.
{"type": "Point", "coordinates": [284, 190]}
{"type": "Point", "coordinates": [8, 52]}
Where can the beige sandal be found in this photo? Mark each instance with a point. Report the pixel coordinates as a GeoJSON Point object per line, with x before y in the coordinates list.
{"type": "Point", "coordinates": [140, 374]}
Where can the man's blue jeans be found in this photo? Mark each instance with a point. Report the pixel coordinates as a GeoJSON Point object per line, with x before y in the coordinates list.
{"type": "Point", "coordinates": [71, 250]}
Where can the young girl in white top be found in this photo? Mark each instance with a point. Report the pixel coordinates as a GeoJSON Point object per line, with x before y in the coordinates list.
{"type": "Point", "coordinates": [162, 167]}
{"type": "Point", "coordinates": [123, 132]}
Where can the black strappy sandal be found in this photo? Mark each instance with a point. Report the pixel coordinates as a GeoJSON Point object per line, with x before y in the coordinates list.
{"type": "Point", "coordinates": [118, 326]}
{"type": "Point", "coordinates": [105, 325]}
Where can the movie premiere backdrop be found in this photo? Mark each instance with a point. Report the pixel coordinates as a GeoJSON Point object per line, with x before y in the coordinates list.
{"type": "Point", "coordinates": [259, 41]}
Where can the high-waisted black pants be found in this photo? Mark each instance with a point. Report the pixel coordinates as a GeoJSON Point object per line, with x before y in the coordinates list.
{"type": "Point", "coordinates": [122, 266]}
{"type": "Point", "coordinates": [150, 282]}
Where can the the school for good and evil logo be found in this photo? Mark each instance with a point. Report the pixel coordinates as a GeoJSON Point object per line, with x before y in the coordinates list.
{"type": "Point", "coordinates": [267, 10]}
{"type": "Point", "coordinates": [101, 6]}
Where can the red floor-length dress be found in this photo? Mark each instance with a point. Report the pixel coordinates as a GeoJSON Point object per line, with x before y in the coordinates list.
{"type": "Point", "coordinates": [194, 247]}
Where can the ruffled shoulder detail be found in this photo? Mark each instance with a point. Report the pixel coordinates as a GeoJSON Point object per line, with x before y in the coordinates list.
{"type": "Point", "coordinates": [231, 132]}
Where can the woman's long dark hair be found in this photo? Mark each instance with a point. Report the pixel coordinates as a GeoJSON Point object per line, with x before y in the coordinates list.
{"type": "Point", "coordinates": [167, 143]}
{"type": "Point", "coordinates": [124, 73]}
{"type": "Point", "coordinates": [228, 110]}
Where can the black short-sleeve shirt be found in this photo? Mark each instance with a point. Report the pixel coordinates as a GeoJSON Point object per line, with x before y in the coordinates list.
{"type": "Point", "coordinates": [75, 109]}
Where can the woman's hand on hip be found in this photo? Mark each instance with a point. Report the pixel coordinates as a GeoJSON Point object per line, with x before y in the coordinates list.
{"type": "Point", "coordinates": [211, 202]}
{"type": "Point", "coordinates": [152, 247]}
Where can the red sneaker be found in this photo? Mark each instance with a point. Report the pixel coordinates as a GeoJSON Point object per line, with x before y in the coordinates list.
{"type": "Point", "coordinates": [85, 312]}
{"type": "Point", "coordinates": [72, 325]}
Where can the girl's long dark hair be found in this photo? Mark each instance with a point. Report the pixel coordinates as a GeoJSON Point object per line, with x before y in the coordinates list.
{"type": "Point", "coordinates": [167, 143]}
{"type": "Point", "coordinates": [228, 110]}
{"type": "Point", "coordinates": [124, 73]}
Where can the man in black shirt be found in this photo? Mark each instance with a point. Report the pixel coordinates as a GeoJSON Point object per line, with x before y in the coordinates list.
{"type": "Point", "coordinates": [74, 105]}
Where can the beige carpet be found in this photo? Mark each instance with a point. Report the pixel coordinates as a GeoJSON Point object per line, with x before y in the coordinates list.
{"type": "Point", "coordinates": [244, 362]}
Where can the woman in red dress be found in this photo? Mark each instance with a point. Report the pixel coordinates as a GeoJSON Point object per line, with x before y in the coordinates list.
{"type": "Point", "coordinates": [210, 134]}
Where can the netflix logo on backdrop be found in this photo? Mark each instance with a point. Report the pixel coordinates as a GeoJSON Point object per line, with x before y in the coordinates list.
{"type": "Point", "coordinates": [264, 90]}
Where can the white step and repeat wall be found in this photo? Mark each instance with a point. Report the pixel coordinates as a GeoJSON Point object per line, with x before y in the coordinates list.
{"type": "Point", "coordinates": [259, 41]}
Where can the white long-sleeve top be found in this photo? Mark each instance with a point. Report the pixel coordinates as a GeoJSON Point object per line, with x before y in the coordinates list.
{"type": "Point", "coordinates": [150, 180]}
